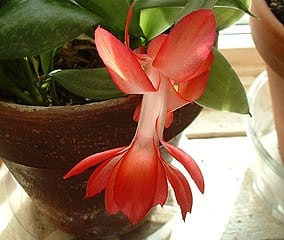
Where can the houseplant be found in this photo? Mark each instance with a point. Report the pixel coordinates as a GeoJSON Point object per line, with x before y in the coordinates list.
{"type": "Point", "coordinates": [35, 81]}
{"type": "Point", "coordinates": [267, 105]}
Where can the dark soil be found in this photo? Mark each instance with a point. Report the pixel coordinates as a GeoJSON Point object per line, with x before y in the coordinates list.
{"type": "Point", "coordinates": [80, 53]}
{"type": "Point", "coordinates": [277, 8]}
{"type": "Point", "coordinates": [77, 54]}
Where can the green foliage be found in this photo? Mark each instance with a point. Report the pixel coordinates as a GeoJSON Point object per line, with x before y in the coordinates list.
{"type": "Point", "coordinates": [33, 27]}
{"type": "Point", "coordinates": [229, 11]}
{"type": "Point", "coordinates": [224, 90]}
{"type": "Point", "coordinates": [95, 84]}
{"type": "Point", "coordinates": [2, 2]}
{"type": "Point", "coordinates": [113, 15]}
{"type": "Point", "coordinates": [158, 16]}
{"type": "Point", "coordinates": [19, 84]}
{"type": "Point", "coordinates": [154, 21]}
{"type": "Point", "coordinates": [31, 31]}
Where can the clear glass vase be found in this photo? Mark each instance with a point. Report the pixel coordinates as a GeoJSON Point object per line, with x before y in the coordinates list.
{"type": "Point", "coordinates": [267, 167]}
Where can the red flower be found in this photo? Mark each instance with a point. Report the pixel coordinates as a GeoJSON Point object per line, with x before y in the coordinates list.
{"type": "Point", "coordinates": [135, 178]}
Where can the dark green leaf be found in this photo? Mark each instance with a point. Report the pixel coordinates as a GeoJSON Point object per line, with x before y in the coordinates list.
{"type": "Point", "coordinates": [143, 4]}
{"type": "Point", "coordinates": [2, 2]}
{"type": "Point", "coordinates": [224, 90]}
{"type": "Point", "coordinates": [9, 86]}
{"type": "Point", "coordinates": [33, 27]}
{"type": "Point", "coordinates": [94, 84]}
{"type": "Point", "coordinates": [114, 13]}
{"type": "Point", "coordinates": [46, 60]}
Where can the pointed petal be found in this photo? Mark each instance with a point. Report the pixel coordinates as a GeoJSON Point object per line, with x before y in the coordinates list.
{"type": "Point", "coordinates": [152, 51]}
{"type": "Point", "coordinates": [189, 164]}
{"type": "Point", "coordinates": [134, 188]}
{"type": "Point", "coordinates": [93, 160]}
{"type": "Point", "coordinates": [110, 204]}
{"type": "Point", "coordinates": [188, 45]}
{"type": "Point", "coordinates": [194, 88]}
{"type": "Point", "coordinates": [136, 113]}
{"type": "Point", "coordinates": [175, 100]}
{"type": "Point", "coordinates": [122, 64]}
{"type": "Point", "coordinates": [181, 188]}
{"type": "Point", "coordinates": [169, 119]}
{"type": "Point", "coordinates": [204, 67]}
{"type": "Point", "coordinates": [155, 45]}
{"type": "Point", "coordinates": [153, 75]}
{"type": "Point", "coordinates": [99, 178]}
{"type": "Point", "coordinates": [161, 192]}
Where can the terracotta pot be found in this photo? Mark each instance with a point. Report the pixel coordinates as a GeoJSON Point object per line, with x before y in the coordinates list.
{"type": "Point", "coordinates": [268, 35]}
{"type": "Point", "coordinates": [40, 144]}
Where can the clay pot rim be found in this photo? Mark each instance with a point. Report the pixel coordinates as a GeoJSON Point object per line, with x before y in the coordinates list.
{"type": "Point", "coordinates": [68, 108]}
{"type": "Point", "coordinates": [268, 17]}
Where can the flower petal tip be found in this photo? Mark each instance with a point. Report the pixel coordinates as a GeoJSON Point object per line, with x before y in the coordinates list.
{"type": "Point", "coordinates": [86, 197]}
{"type": "Point", "coordinates": [68, 175]}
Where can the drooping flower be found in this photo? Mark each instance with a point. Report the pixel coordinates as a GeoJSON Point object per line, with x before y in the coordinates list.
{"type": "Point", "coordinates": [172, 72]}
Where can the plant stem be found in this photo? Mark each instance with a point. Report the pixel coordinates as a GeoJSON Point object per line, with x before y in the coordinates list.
{"type": "Point", "coordinates": [53, 94]}
{"type": "Point", "coordinates": [26, 99]}
{"type": "Point", "coordinates": [30, 82]}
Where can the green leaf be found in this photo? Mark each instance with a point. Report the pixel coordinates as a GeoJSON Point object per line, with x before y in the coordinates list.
{"type": "Point", "coordinates": [193, 5]}
{"type": "Point", "coordinates": [186, 6]}
{"type": "Point", "coordinates": [143, 4]}
{"type": "Point", "coordinates": [228, 12]}
{"type": "Point", "coordinates": [114, 13]}
{"type": "Point", "coordinates": [224, 90]}
{"type": "Point", "coordinates": [157, 16]}
{"type": "Point", "coordinates": [154, 21]}
{"type": "Point", "coordinates": [46, 60]}
{"type": "Point", "coordinates": [2, 2]}
{"type": "Point", "coordinates": [33, 27]}
{"type": "Point", "coordinates": [95, 84]}
{"type": "Point", "coordinates": [9, 86]}
{"type": "Point", "coordinates": [242, 5]}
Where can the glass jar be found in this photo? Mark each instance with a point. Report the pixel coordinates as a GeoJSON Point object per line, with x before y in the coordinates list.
{"type": "Point", "coordinates": [267, 167]}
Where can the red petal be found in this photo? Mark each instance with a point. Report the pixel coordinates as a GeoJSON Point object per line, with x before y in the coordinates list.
{"type": "Point", "coordinates": [189, 164]}
{"type": "Point", "coordinates": [93, 160]}
{"type": "Point", "coordinates": [110, 204]}
{"type": "Point", "coordinates": [205, 66]}
{"type": "Point", "coordinates": [181, 188]}
{"type": "Point", "coordinates": [175, 100]}
{"type": "Point", "coordinates": [155, 45]}
{"type": "Point", "coordinates": [169, 119]}
{"type": "Point", "coordinates": [161, 186]}
{"type": "Point", "coordinates": [153, 75]}
{"type": "Point", "coordinates": [134, 187]}
{"type": "Point", "coordinates": [187, 46]}
{"type": "Point", "coordinates": [136, 113]}
{"type": "Point", "coordinates": [122, 64]}
{"type": "Point", "coordinates": [99, 178]}
{"type": "Point", "coordinates": [127, 25]}
{"type": "Point", "coordinates": [194, 88]}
